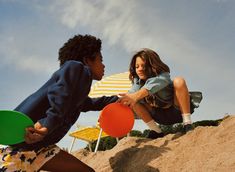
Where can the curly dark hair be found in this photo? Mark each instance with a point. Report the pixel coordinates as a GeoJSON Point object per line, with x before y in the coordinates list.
{"type": "Point", "coordinates": [80, 47]}
{"type": "Point", "coordinates": [154, 65]}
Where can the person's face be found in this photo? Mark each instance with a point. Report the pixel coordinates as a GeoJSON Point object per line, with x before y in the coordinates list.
{"type": "Point", "coordinates": [96, 66]}
{"type": "Point", "coordinates": [140, 68]}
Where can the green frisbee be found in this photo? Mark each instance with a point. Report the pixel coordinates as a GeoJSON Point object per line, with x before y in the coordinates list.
{"type": "Point", "coordinates": [12, 127]}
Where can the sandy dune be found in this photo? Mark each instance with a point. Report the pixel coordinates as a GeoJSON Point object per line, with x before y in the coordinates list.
{"type": "Point", "coordinates": [203, 149]}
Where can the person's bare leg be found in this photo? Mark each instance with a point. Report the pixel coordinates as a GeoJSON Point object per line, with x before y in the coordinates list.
{"type": "Point", "coordinates": [181, 95]}
{"type": "Point", "coordinates": [182, 99]}
{"type": "Point", "coordinates": [142, 111]}
{"type": "Point", "coordinates": [64, 161]}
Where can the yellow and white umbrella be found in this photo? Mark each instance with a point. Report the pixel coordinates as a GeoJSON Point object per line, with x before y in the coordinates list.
{"type": "Point", "coordinates": [111, 85]}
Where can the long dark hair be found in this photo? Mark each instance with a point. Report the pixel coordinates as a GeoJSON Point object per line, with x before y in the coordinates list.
{"type": "Point", "coordinates": [153, 64]}
{"type": "Point", "coordinates": [80, 47]}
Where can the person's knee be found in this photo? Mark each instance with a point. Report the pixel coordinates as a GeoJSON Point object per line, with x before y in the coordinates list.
{"type": "Point", "coordinates": [179, 82]}
{"type": "Point", "coordinates": [137, 105]}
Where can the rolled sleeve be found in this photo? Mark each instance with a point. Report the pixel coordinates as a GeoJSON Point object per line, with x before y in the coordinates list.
{"type": "Point", "coordinates": [135, 86]}
{"type": "Point", "coordinates": [157, 83]}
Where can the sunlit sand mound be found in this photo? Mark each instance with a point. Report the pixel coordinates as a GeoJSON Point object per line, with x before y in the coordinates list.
{"type": "Point", "coordinates": [203, 149]}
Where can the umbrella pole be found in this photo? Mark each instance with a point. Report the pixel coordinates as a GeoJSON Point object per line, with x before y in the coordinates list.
{"type": "Point", "coordinates": [98, 141]}
{"type": "Point", "coordinates": [71, 147]}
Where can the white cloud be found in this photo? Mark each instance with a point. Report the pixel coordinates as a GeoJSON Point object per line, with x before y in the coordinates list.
{"type": "Point", "coordinates": [119, 22]}
{"type": "Point", "coordinates": [107, 18]}
{"type": "Point", "coordinates": [13, 53]}
{"type": "Point", "coordinates": [127, 24]}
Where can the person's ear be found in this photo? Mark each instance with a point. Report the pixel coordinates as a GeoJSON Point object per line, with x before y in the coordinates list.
{"type": "Point", "coordinates": [85, 60]}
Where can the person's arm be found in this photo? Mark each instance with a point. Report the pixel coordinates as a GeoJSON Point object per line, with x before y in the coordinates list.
{"type": "Point", "coordinates": [130, 99]}
{"type": "Point", "coordinates": [151, 86]}
{"type": "Point", "coordinates": [135, 94]}
{"type": "Point", "coordinates": [97, 104]}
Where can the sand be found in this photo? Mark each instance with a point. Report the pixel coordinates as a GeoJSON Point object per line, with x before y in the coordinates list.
{"type": "Point", "coordinates": [205, 149]}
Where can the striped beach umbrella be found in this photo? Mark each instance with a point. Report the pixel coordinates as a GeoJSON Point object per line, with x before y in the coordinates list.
{"type": "Point", "coordinates": [111, 85]}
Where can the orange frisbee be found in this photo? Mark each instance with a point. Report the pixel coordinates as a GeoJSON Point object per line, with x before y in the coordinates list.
{"type": "Point", "coordinates": [116, 119]}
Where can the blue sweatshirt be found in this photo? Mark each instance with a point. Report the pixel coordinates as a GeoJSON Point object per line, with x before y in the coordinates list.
{"type": "Point", "coordinates": [58, 103]}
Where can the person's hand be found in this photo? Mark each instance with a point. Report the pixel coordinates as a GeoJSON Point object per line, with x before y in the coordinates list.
{"type": "Point", "coordinates": [35, 134]}
{"type": "Point", "coordinates": [128, 99]}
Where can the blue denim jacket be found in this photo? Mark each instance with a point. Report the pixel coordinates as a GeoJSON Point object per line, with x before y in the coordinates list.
{"type": "Point", "coordinates": [58, 103]}
{"type": "Point", "coordinates": [160, 89]}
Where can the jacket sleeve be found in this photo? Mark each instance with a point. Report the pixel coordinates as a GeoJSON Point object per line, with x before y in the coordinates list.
{"type": "Point", "coordinates": [97, 104]}
{"type": "Point", "coordinates": [60, 94]}
{"type": "Point", "coordinates": [135, 87]}
{"type": "Point", "coordinates": [157, 83]}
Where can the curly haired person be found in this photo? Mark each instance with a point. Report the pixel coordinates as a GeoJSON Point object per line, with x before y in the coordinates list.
{"type": "Point", "coordinates": [55, 107]}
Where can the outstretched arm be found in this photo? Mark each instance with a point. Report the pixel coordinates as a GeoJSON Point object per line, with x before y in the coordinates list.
{"type": "Point", "coordinates": [130, 99]}
{"type": "Point", "coordinates": [96, 104]}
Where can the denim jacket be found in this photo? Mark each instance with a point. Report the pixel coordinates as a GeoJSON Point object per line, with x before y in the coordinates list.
{"type": "Point", "coordinates": [160, 89]}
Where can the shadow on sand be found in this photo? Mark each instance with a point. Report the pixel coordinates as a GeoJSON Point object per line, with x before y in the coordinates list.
{"type": "Point", "coordinates": [137, 158]}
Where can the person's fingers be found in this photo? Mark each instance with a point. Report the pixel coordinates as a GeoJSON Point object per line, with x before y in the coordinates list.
{"type": "Point", "coordinates": [127, 103]}
{"type": "Point", "coordinates": [37, 125]}
{"type": "Point", "coordinates": [32, 135]}
{"type": "Point", "coordinates": [30, 129]}
{"type": "Point", "coordinates": [122, 94]}
{"type": "Point", "coordinates": [123, 100]}
{"type": "Point", "coordinates": [27, 140]}
{"type": "Point", "coordinates": [32, 138]}
{"type": "Point", "coordinates": [40, 129]}
{"type": "Point", "coordinates": [132, 105]}
{"type": "Point", "coordinates": [28, 135]}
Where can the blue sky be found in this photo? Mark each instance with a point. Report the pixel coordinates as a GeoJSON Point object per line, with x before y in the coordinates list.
{"type": "Point", "coordinates": [195, 38]}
